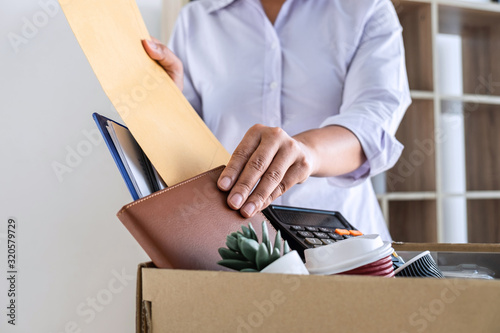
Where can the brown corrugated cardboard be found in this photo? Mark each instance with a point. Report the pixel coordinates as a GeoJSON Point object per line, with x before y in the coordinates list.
{"type": "Point", "coordinates": [209, 301]}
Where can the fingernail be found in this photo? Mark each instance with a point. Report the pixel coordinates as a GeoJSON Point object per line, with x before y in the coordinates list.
{"type": "Point", "coordinates": [225, 183]}
{"type": "Point", "coordinates": [249, 208]}
{"type": "Point", "coordinates": [152, 44]}
{"type": "Point", "coordinates": [236, 200]}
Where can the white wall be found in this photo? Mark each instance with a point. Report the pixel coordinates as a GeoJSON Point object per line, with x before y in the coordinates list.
{"type": "Point", "coordinates": [171, 10]}
{"type": "Point", "coordinates": [70, 244]}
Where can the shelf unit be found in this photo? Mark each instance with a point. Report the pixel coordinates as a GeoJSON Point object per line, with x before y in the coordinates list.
{"type": "Point", "coordinates": [413, 197]}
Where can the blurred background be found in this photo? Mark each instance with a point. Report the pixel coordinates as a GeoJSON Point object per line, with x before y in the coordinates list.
{"type": "Point", "coordinates": [446, 185]}
{"type": "Point", "coordinates": [61, 186]}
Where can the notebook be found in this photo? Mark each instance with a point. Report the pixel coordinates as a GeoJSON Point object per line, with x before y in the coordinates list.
{"type": "Point", "coordinates": [139, 174]}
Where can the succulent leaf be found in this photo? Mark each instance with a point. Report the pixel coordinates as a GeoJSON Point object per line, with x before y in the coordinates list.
{"type": "Point", "coordinates": [232, 243]}
{"type": "Point", "coordinates": [236, 264]}
{"type": "Point", "coordinates": [245, 253]}
{"type": "Point", "coordinates": [262, 258]}
{"type": "Point", "coordinates": [265, 237]}
{"type": "Point", "coordinates": [249, 270]}
{"type": "Point", "coordinates": [252, 231]}
{"type": "Point", "coordinates": [249, 248]}
{"type": "Point", "coordinates": [277, 241]}
{"type": "Point", "coordinates": [246, 232]}
{"type": "Point", "coordinates": [228, 254]}
{"type": "Point", "coordinates": [286, 248]}
{"type": "Point", "coordinates": [275, 255]}
{"type": "Point", "coordinates": [240, 239]}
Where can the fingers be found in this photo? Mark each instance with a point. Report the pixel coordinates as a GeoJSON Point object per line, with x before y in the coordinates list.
{"type": "Point", "coordinates": [283, 173]}
{"type": "Point", "coordinates": [286, 183]}
{"type": "Point", "coordinates": [239, 158]}
{"type": "Point", "coordinates": [156, 40]}
{"type": "Point", "coordinates": [265, 164]}
{"type": "Point", "coordinates": [295, 175]}
{"type": "Point", "coordinates": [269, 181]}
{"type": "Point", "coordinates": [290, 167]}
{"type": "Point", "coordinates": [159, 52]}
{"type": "Point", "coordinates": [249, 161]}
{"type": "Point", "coordinates": [166, 58]}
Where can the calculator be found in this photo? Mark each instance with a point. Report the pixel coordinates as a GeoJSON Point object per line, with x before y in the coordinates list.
{"type": "Point", "coordinates": [306, 228]}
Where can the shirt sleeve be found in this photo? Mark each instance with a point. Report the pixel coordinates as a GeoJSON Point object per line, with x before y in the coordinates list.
{"type": "Point", "coordinates": [376, 95]}
{"type": "Point", "coordinates": [178, 44]}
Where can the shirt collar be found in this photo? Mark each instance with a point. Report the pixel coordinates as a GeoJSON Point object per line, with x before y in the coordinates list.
{"type": "Point", "coordinates": [219, 4]}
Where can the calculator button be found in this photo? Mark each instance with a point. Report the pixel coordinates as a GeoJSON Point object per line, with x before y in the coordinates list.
{"type": "Point", "coordinates": [347, 236]}
{"type": "Point", "coordinates": [328, 241]}
{"type": "Point", "coordinates": [311, 229]}
{"type": "Point", "coordinates": [318, 246]}
{"type": "Point", "coordinates": [321, 235]}
{"type": "Point", "coordinates": [335, 236]}
{"type": "Point", "coordinates": [355, 232]}
{"type": "Point", "coordinates": [296, 227]}
{"type": "Point", "coordinates": [305, 234]}
{"type": "Point", "coordinates": [342, 231]}
{"type": "Point", "coordinates": [313, 241]}
{"type": "Point", "coordinates": [327, 230]}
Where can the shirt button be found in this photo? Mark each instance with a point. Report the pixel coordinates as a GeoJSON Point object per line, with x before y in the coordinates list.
{"type": "Point", "coordinates": [274, 46]}
{"type": "Point", "coordinates": [273, 85]}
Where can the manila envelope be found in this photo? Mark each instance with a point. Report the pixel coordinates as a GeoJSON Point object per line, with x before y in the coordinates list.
{"type": "Point", "coordinates": [168, 129]}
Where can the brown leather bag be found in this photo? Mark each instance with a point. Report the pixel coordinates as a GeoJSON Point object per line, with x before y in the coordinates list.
{"type": "Point", "coordinates": [183, 226]}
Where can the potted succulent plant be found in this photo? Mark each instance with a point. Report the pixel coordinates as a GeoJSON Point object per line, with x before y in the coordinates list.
{"type": "Point", "coordinates": [245, 253]}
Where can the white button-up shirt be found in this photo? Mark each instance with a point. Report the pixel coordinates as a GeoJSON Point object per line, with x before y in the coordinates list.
{"type": "Point", "coordinates": [323, 62]}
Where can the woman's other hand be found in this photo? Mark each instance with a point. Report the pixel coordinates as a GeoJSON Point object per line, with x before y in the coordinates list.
{"type": "Point", "coordinates": [167, 59]}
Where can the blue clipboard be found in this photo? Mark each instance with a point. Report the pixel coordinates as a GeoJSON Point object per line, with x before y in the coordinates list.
{"type": "Point", "coordinates": [102, 122]}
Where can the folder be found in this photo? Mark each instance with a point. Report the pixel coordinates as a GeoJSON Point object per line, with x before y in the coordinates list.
{"type": "Point", "coordinates": [139, 174]}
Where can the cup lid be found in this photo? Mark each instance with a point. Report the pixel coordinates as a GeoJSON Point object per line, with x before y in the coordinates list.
{"type": "Point", "coordinates": [347, 254]}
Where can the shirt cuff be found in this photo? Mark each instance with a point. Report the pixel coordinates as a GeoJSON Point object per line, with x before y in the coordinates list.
{"type": "Point", "coordinates": [381, 148]}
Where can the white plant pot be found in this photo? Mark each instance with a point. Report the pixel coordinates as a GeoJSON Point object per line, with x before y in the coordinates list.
{"type": "Point", "coordinates": [290, 263]}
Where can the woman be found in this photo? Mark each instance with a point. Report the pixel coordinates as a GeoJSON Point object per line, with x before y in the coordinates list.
{"type": "Point", "coordinates": [319, 87]}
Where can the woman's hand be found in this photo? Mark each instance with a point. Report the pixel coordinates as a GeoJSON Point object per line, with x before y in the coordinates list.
{"type": "Point", "coordinates": [269, 158]}
{"type": "Point", "coordinates": [268, 162]}
{"type": "Point", "coordinates": [167, 59]}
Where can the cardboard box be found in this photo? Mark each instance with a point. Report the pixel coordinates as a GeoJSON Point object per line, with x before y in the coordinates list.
{"type": "Point", "coordinates": [210, 301]}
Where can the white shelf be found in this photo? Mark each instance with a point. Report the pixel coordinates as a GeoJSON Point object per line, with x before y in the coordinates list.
{"type": "Point", "coordinates": [407, 196]}
{"type": "Point", "coordinates": [467, 98]}
{"type": "Point", "coordinates": [474, 5]}
{"type": "Point", "coordinates": [411, 1]}
{"type": "Point", "coordinates": [420, 94]}
{"type": "Point", "coordinates": [483, 6]}
{"type": "Point", "coordinates": [411, 196]}
{"type": "Point", "coordinates": [483, 195]}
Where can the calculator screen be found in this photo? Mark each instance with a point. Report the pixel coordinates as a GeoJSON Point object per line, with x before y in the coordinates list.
{"type": "Point", "coordinates": [297, 217]}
